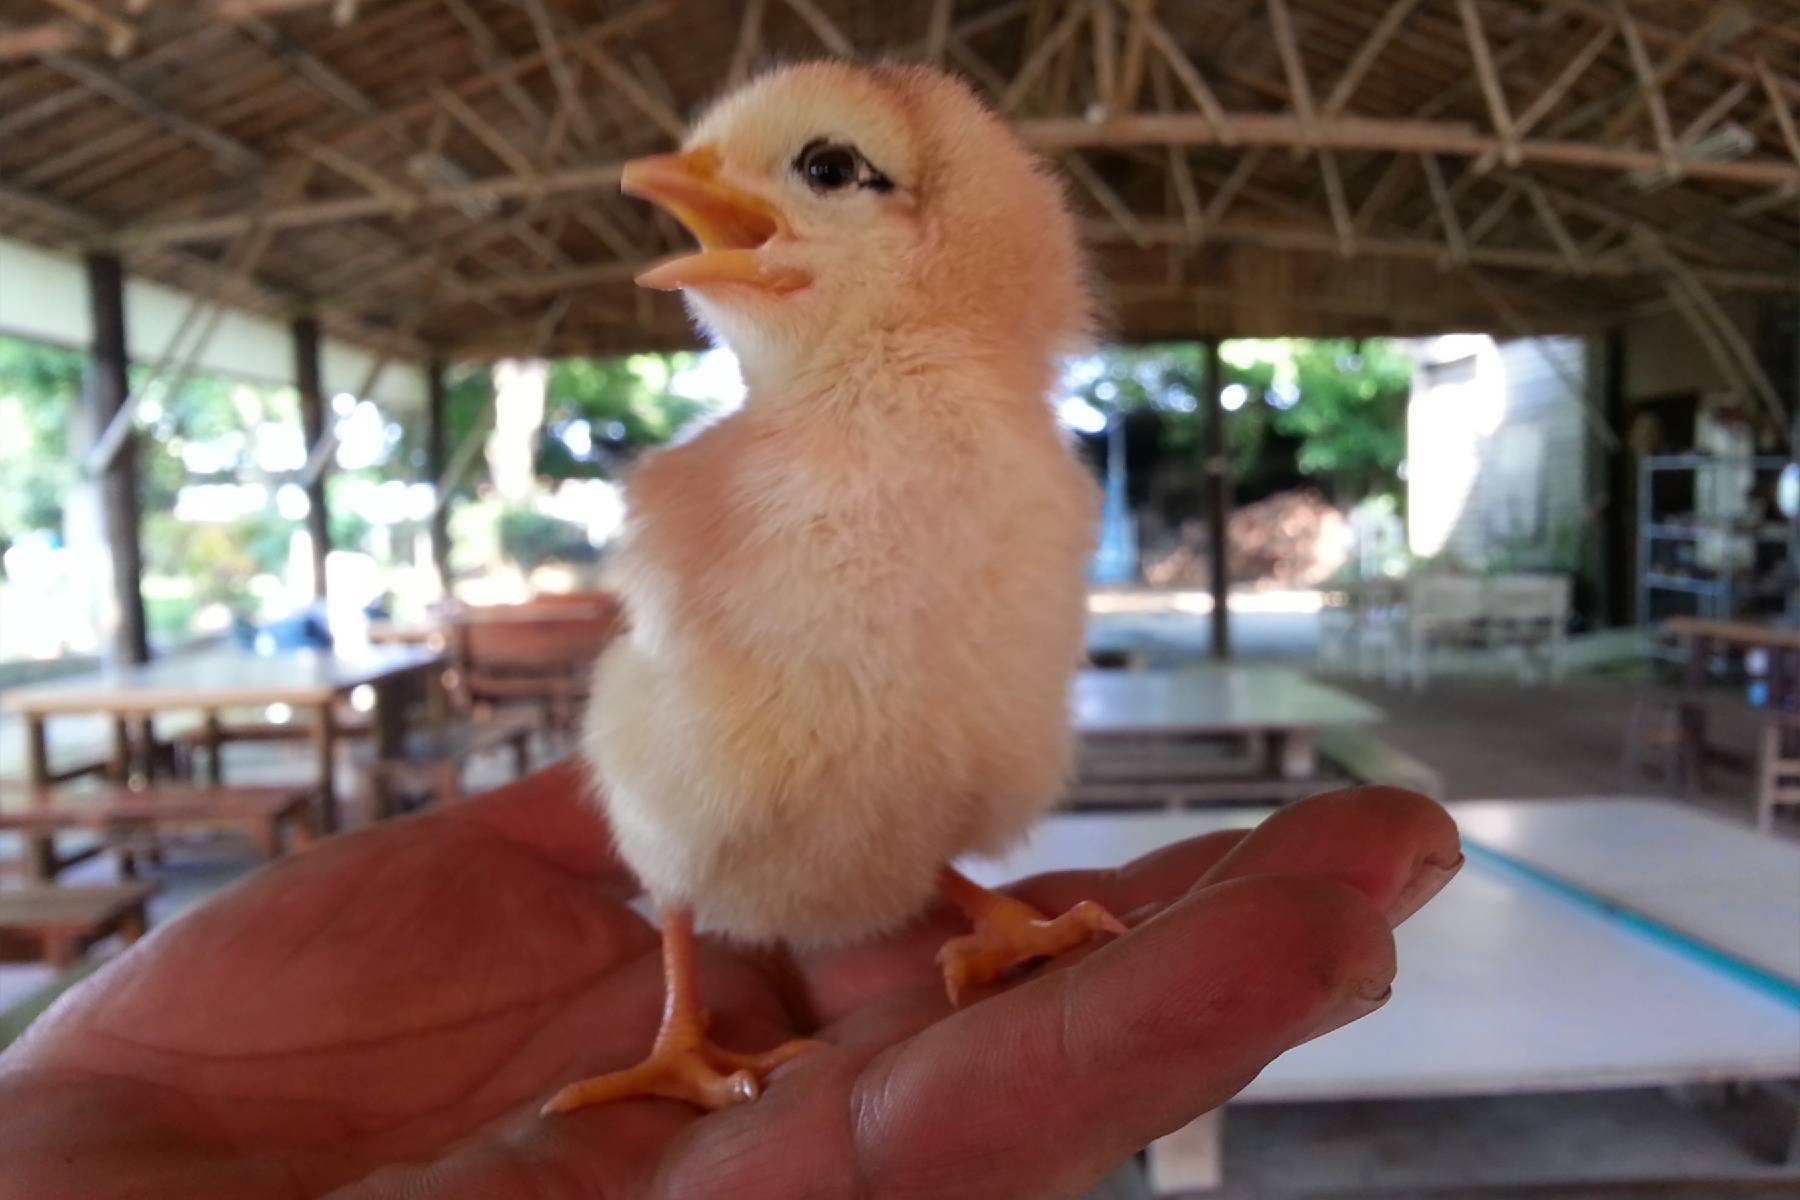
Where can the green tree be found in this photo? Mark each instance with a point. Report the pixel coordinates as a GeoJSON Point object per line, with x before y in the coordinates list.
{"type": "Point", "coordinates": [40, 385]}
{"type": "Point", "coordinates": [1344, 401]}
{"type": "Point", "coordinates": [1344, 405]}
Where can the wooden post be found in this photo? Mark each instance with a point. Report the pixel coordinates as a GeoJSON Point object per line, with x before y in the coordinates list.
{"type": "Point", "coordinates": [107, 387]}
{"type": "Point", "coordinates": [1218, 507]}
{"type": "Point", "coordinates": [1619, 520]}
{"type": "Point", "coordinates": [307, 378]}
{"type": "Point", "coordinates": [436, 460]}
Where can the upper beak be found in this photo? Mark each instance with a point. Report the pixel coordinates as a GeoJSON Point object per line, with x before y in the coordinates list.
{"type": "Point", "coordinates": [731, 224]}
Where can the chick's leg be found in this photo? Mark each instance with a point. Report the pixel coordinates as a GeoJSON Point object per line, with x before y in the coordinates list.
{"type": "Point", "coordinates": [1008, 932]}
{"type": "Point", "coordinates": [682, 1064]}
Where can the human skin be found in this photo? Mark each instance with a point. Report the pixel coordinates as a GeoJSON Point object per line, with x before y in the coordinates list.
{"type": "Point", "coordinates": [382, 1015]}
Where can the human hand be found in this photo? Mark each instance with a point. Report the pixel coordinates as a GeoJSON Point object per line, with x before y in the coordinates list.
{"type": "Point", "coordinates": [381, 1017]}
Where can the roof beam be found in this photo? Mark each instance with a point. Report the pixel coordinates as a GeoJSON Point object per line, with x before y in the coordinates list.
{"type": "Point", "coordinates": [1365, 57]}
{"type": "Point", "coordinates": [1489, 77]}
{"type": "Point", "coordinates": [1321, 238]}
{"type": "Point", "coordinates": [1649, 87]}
{"type": "Point", "coordinates": [360, 208]}
{"type": "Point", "coordinates": [1378, 134]}
{"type": "Point", "coordinates": [105, 84]}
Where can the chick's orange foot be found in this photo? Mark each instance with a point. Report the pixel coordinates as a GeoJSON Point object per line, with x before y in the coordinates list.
{"type": "Point", "coordinates": [683, 1064]}
{"type": "Point", "coordinates": [1009, 933]}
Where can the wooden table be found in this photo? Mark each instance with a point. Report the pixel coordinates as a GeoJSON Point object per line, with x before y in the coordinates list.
{"type": "Point", "coordinates": [60, 922]}
{"type": "Point", "coordinates": [309, 681]}
{"type": "Point", "coordinates": [1701, 637]}
{"type": "Point", "coordinates": [1278, 708]}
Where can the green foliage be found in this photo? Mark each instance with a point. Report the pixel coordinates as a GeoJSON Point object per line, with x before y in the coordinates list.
{"type": "Point", "coordinates": [218, 558]}
{"type": "Point", "coordinates": [1350, 411]}
{"type": "Point", "coordinates": [1343, 406]}
{"type": "Point", "coordinates": [40, 386]}
{"type": "Point", "coordinates": [626, 403]}
{"type": "Point", "coordinates": [531, 539]}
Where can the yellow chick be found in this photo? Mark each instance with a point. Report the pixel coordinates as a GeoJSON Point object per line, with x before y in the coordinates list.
{"type": "Point", "coordinates": [855, 604]}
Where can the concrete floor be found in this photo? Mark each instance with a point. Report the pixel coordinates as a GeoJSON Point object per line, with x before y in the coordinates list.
{"type": "Point", "coordinates": [1490, 738]}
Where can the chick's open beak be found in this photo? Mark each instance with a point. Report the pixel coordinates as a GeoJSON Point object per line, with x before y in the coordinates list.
{"type": "Point", "coordinates": [730, 223]}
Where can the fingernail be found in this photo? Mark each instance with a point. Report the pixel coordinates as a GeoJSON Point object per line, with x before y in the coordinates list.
{"type": "Point", "coordinates": [1428, 879]}
{"type": "Point", "coordinates": [1364, 999]}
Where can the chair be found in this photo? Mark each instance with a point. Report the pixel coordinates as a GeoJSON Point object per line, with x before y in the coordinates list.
{"type": "Point", "coordinates": [1778, 769]}
{"type": "Point", "coordinates": [531, 657]}
{"type": "Point", "coordinates": [1528, 614]}
{"type": "Point", "coordinates": [1441, 610]}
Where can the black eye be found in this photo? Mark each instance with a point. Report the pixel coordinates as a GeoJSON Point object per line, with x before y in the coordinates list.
{"type": "Point", "coordinates": [833, 166]}
{"type": "Point", "coordinates": [828, 166]}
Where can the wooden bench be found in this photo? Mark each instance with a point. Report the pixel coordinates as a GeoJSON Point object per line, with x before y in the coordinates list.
{"type": "Point", "coordinates": [134, 821]}
{"type": "Point", "coordinates": [431, 760]}
{"type": "Point", "coordinates": [1368, 759]}
{"type": "Point", "coordinates": [211, 736]}
{"type": "Point", "coordinates": [57, 923]}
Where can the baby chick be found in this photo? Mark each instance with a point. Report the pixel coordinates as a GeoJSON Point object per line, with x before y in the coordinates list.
{"type": "Point", "coordinates": [856, 603]}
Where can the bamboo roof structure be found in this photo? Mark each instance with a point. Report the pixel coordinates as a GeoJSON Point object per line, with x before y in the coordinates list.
{"type": "Point", "coordinates": [440, 177]}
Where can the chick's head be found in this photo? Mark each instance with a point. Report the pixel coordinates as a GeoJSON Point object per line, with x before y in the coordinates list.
{"type": "Point", "coordinates": [832, 202]}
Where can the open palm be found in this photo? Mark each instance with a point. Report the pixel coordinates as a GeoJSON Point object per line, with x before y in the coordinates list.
{"type": "Point", "coordinates": [381, 1017]}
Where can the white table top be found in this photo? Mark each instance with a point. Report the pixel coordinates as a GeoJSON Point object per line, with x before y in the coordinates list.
{"type": "Point", "coordinates": [219, 679]}
{"type": "Point", "coordinates": [1702, 876]}
{"type": "Point", "coordinates": [1503, 987]}
{"type": "Point", "coordinates": [1211, 699]}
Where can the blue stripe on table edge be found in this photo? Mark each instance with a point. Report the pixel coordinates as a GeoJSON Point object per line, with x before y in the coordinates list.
{"type": "Point", "coordinates": [1705, 954]}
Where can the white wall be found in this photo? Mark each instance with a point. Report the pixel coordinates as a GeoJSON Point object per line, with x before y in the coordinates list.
{"type": "Point", "coordinates": [43, 295]}
{"type": "Point", "coordinates": [1495, 447]}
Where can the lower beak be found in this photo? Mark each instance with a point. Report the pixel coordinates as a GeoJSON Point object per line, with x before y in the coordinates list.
{"type": "Point", "coordinates": [731, 224]}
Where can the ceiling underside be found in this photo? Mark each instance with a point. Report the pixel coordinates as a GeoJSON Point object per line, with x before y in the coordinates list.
{"type": "Point", "coordinates": [441, 176]}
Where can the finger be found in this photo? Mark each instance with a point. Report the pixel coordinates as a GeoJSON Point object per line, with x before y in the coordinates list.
{"type": "Point", "coordinates": [1395, 847]}
{"type": "Point", "coordinates": [836, 983]}
{"type": "Point", "coordinates": [1152, 879]}
{"type": "Point", "coordinates": [1097, 1061]}
{"type": "Point", "coordinates": [555, 815]}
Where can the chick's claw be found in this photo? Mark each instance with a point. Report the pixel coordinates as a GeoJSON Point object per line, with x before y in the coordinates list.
{"type": "Point", "coordinates": [687, 1069]}
{"type": "Point", "coordinates": [1009, 933]}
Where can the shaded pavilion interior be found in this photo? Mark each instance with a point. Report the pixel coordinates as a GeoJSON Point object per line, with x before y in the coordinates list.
{"type": "Point", "coordinates": [436, 180]}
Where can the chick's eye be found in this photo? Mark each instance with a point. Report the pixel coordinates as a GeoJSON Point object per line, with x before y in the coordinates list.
{"type": "Point", "coordinates": [828, 166]}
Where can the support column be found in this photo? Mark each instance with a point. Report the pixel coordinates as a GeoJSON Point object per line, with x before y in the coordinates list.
{"type": "Point", "coordinates": [436, 463]}
{"type": "Point", "coordinates": [1218, 503]}
{"type": "Point", "coordinates": [107, 388]}
{"type": "Point", "coordinates": [1619, 519]}
{"type": "Point", "coordinates": [307, 379]}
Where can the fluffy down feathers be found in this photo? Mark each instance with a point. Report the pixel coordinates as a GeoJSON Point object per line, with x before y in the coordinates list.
{"type": "Point", "coordinates": [855, 604]}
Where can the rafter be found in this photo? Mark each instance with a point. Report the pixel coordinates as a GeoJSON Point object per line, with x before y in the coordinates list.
{"type": "Point", "coordinates": [1369, 133]}
{"type": "Point", "coordinates": [1649, 87]}
{"type": "Point", "coordinates": [123, 94]}
{"type": "Point", "coordinates": [749, 42]}
{"type": "Point", "coordinates": [67, 35]}
{"type": "Point", "coordinates": [1447, 218]}
{"type": "Point", "coordinates": [1293, 66]}
{"type": "Point", "coordinates": [1341, 220]}
{"type": "Point", "coordinates": [1778, 105]}
{"type": "Point", "coordinates": [1182, 67]}
{"type": "Point", "coordinates": [121, 35]}
{"type": "Point", "coordinates": [823, 27]}
{"type": "Point", "coordinates": [1492, 89]}
{"type": "Point", "coordinates": [1365, 56]}
{"type": "Point", "coordinates": [1041, 54]}
{"type": "Point", "coordinates": [1106, 198]}
{"type": "Point", "coordinates": [1321, 238]}
{"type": "Point", "coordinates": [937, 30]}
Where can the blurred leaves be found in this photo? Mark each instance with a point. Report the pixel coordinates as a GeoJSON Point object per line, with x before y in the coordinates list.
{"type": "Point", "coordinates": [1341, 404]}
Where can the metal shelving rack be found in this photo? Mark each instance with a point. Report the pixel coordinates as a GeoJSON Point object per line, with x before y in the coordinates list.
{"type": "Point", "coordinates": [1715, 595]}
